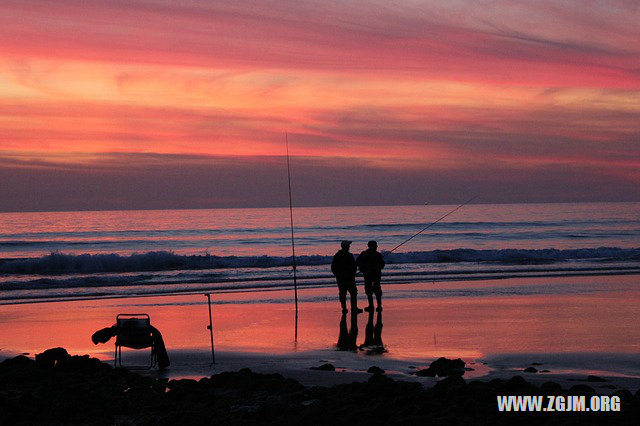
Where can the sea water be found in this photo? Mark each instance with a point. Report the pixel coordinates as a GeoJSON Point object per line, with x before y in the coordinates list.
{"type": "Point", "coordinates": [66, 255]}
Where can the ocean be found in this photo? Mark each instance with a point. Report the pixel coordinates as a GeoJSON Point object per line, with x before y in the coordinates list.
{"type": "Point", "coordinates": [51, 256]}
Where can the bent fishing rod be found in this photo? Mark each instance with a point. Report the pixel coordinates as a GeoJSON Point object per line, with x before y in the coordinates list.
{"type": "Point", "coordinates": [430, 225]}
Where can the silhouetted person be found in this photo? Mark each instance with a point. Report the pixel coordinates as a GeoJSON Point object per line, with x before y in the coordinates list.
{"type": "Point", "coordinates": [373, 335]}
{"type": "Point", "coordinates": [371, 263]}
{"type": "Point", "coordinates": [344, 268]}
{"type": "Point", "coordinates": [347, 338]}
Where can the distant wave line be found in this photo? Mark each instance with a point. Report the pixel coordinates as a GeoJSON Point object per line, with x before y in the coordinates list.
{"type": "Point", "coordinates": [310, 228]}
{"type": "Point", "coordinates": [59, 263]}
{"type": "Point", "coordinates": [280, 278]}
{"type": "Point", "coordinates": [280, 239]}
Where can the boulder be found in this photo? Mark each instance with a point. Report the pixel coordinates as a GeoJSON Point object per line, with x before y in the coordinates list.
{"type": "Point", "coordinates": [443, 367]}
{"type": "Point", "coordinates": [582, 390]}
{"type": "Point", "coordinates": [550, 388]}
{"type": "Point", "coordinates": [625, 396]}
{"type": "Point", "coordinates": [325, 367]}
{"type": "Point", "coordinates": [50, 357]}
{"type": "Point", "coordinates": [451, 384]}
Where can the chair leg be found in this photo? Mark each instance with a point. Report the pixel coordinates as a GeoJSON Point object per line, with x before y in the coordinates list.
{"type": "Point", "coordinates": [118, 360]}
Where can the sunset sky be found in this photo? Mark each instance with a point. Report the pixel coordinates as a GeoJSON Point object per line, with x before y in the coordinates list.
{"type": "Point", "coordinates": [134, 104]}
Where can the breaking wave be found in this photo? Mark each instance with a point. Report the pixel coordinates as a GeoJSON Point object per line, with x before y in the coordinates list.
{"type": "Point", "coordinates": [60, 263]}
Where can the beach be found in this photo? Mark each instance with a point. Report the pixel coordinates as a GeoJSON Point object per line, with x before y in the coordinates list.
{"type": "Point", "coordinates": [532, 300]}
{"type": "Point", "coordinates": [569, 345]}
{"type": "Point", "coordinates": [587, 329]}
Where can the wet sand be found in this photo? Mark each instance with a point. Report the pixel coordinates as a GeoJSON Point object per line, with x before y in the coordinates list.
{"type": "Point", "coordinates": [582, 326]}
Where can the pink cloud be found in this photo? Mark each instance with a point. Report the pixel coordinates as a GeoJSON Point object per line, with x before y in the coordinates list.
{"type": "Point", "coordinates": [353, 37]}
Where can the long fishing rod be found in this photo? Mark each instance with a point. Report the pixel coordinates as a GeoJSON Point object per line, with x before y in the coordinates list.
{"type": "Point", "coordinates": [430, 225]}
{"type": "Point", "coordinates": [293, 244]}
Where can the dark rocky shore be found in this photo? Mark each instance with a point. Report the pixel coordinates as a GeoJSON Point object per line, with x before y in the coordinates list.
{"type": "Point", "coordinates": [60, 389]}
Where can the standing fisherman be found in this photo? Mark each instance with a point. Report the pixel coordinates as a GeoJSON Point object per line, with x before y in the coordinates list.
{"type": "Point", "coordinates": [344, 268]}
{"type": "Point", "coordinates": [371, 263]}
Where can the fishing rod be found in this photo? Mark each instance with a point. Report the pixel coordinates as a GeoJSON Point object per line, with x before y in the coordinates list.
{"type": "Point", "coordinates": [293, 244]}
{"type": "Point", "coordinates": [210, 328]}
{"type": "Point", "coordinates": [430, 225]}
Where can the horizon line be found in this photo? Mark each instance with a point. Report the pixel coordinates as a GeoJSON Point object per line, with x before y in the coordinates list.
{"type": "Point", "coordinates": [312, 207]}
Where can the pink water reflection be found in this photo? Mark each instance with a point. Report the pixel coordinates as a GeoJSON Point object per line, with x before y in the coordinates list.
{"type": "Point", "coordinates": [467, 327]}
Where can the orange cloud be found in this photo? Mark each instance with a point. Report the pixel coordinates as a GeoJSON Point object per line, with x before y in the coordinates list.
{"type": "Point", "coordinates": [396, 86]}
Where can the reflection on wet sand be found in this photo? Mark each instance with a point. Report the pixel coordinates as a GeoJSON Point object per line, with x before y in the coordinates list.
{"type": "Point", "coordinates": [373, 336]}
{"type": "Point", "coordinates": [540, 315]}
{"type": "Point", "coordinates": [347, 338]}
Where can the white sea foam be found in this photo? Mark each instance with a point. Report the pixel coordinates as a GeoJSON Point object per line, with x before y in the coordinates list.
{"type": "Point", "coordinates": [60, 263]}
{"type": "Point", "coordinates": [111, 253]}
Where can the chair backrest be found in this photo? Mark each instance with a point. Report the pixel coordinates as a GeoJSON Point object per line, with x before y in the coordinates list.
{"type": "Point", "coordinates": [134, 331]}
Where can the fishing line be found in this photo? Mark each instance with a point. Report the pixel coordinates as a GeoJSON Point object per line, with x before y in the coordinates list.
{"type": "Point", "coordinates": [430, 225]}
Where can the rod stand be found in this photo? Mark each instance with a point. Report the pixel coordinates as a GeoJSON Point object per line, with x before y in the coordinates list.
{"type": "Point", "coordinates": [210, 328]}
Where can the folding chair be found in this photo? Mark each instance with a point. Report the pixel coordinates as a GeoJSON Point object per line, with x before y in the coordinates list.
{"type": "Point", "coordinates": [134, 331]}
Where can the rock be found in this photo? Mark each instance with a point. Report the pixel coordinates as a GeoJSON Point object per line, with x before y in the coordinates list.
{"type": "Point", "coordinates": [181, 383]}
{"type": "Point", "coordinates": [582, 390]}
{"type": "Point", "coordinates": [375, 370]}
{"type": "Point", "coordinates": [550, 388]}
{"type": "Point", "coordinates": [81, 362]}
{"type": "Point", "coordinates": [50, 357]}
{"type": "Point", "coordinates": [625, 395]}
{"type": "Point", "coordinates": [443, 367]}
{"type": "Point", "coordinates": [595, 379]}
{"type": "Point", "coordinates": [325, 367]}
{"type": "Point", "coordinates": [519, 386]}
{"type": "Point", "coordinates": [380, 380]}
{"type": "Point", "coordinates": [545, 371]}
{"type": "Point", "coordinates": [537, 363]}
{"type": "Point", "coordinates": [479, 391]}
{"type": "Point", "coordinates": [495, 383]}
{"type": "Point", "coordinates": [427, 372]}
{"type": "Point", "coordinates": [450, 384]}
{"type": "Point", "coordinates": [530, 370]}
{"type": "Point", "coordinates": [19, 361]}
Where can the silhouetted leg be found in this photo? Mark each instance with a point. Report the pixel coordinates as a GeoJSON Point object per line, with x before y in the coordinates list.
{"type": "Point", "coordinates": [368, 289]}
{"type": "Point", "coordinates": [353, 291]}
{"type": "Point", "coordinates": [342, 295]}
{"type": "Point", "coordinates": [378, 292]}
